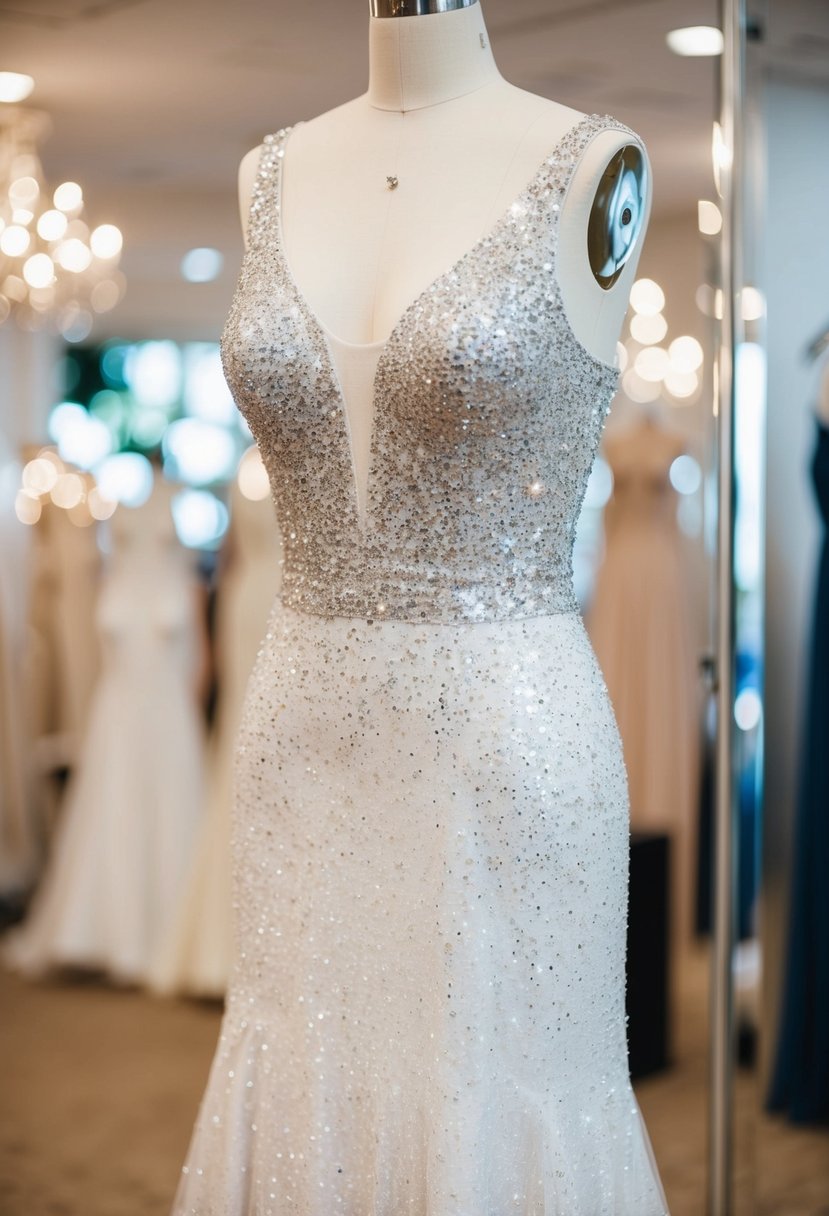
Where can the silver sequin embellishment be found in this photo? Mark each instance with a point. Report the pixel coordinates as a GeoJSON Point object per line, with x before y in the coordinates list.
{"type": "Point", "coordinates": [430, 831]}
{"type": "Point", "coordinates": [487, 416]}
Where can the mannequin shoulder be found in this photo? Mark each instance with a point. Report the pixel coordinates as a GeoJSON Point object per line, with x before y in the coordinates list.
{"type": "Point", "coordinates": [610, 194]}
{"type": "Point", "coordinates": [332, 125]}
{"type": "Point", "coordinates": [248, 167]}
{"type": "Point", "coordinates": [550, 122]}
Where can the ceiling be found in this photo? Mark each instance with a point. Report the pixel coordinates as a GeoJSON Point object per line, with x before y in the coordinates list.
{"type": "Point", "coordinates": [154, 102]}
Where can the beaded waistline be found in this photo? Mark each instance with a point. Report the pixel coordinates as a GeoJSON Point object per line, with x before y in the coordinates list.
{"type": "Point", "coordinates": [434, 599]}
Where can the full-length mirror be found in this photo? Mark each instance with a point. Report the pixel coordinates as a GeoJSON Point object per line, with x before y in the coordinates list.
{"type": "Point", "coordinates": [360, 511]}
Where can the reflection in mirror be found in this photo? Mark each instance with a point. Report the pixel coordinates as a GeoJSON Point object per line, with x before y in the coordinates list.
{"type": "Point", "coordinates": [788, 107]}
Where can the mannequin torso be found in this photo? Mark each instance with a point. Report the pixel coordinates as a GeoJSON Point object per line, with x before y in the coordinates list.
{"type": "Point", "coordinates": [462, 144]}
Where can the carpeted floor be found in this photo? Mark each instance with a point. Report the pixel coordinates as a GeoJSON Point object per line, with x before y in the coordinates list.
{"type": "Point", "coordinates": [100, 1088]}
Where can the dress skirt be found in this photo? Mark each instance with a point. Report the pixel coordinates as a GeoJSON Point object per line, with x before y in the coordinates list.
{"type": "Point", "coordinates": [426, 1014]}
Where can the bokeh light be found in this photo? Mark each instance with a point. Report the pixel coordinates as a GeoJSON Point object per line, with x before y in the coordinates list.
{"type": "Point", "coordinates": [199, 452]}
{"type": "Point", "coordinates": [200, 518]}
{"type": "Point", "coordinates": [252, 476]}
{"type": "Point", "coordinates": [126, 477]}
{"type": "Point", "coordinates": [685, 474]}
{"type": "Point", "coordinates": [648, 330]}
{"type": "Point", "coordinates": [647, 297]}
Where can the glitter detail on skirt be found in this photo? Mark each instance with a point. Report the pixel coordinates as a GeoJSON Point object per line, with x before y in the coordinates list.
{"type": "Point", "coordinates": [426, 1014]}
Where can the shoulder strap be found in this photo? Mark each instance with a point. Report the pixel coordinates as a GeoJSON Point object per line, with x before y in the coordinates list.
{"type": "Point", "coordinates": [263, 212]}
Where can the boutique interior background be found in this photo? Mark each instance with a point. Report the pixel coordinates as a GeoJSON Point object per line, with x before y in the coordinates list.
{"type": "Point", "coordinates": [152, 107]}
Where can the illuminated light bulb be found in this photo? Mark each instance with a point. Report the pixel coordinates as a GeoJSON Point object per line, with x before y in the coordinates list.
{"type": "Point", "coordinates": [67, 491]}
{"type": "Point", "coordinates": [22, 216]}
{"type": "Point", "coordinates": [640, 390]}
{"type": "Point", "coordinates": [622, 356]}
{"type": "Point", "coordinates": [15, 86]}
{"type": "Point", "coordinates": [68, 196]}
{"type": "Point", "coordinates": [695, 40]}
{"type": "Point", "coordinates": [14, 240]}
{"type": "Point", "coordinates": [39, 270]}
{"type": "Point", "coordinates": [652, 363]}
{"type": "Point", "coordinates": [73, 255]}
{"type": "Point", "coordinates": [39, 476]}
{"type": "Point", "coordinates": [26, 508]}
{"type": "Point", "coordinates": [23, 192]}
{"type": "Point", "coordinates": [685, 354]}
{"type": "Point", "coordinates": [106, 241]}
{"type": "Point", "coordinates": [753, 304]}
{"type": "Point", "coordinates": [52, 225]}
{"type": "Point", "coordinates": [647, 297]}
{"type": "Point", "coordinates": [681, 384]}
{"type": "Point", "coordinates": [252, 476]}
{"type": "Point", "coordinates": [99, 506]}
{"type": "Point", "coordinates": [647, 330]}
{"type": "Point", "coordinates": [709, 217]}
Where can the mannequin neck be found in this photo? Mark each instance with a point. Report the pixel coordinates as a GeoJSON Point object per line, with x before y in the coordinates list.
{"type": "Point", "coordinates": [416, 62]}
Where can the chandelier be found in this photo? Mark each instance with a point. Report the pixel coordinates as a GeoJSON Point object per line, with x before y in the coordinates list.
{"type": "Point", "coordinates": [55, 272]}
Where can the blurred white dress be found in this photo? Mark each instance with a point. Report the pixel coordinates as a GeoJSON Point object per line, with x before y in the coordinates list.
{"type": "Point", "coordinates": [133, 803]}
{"type": "Point", "coordinates": [640, 626]}
{"type": "Point", "coordinates": [195, 953]}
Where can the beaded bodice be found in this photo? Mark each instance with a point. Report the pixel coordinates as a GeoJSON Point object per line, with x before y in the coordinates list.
{"type": "Point", "coordinates": [487, 415]}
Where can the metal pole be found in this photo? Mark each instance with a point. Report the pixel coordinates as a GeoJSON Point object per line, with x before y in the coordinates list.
{"type": "Point", "coordinates": [720, 1129]}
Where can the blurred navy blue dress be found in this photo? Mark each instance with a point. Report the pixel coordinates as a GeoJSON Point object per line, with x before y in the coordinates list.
{"type": "Point", "coordinates": [800, 1081]}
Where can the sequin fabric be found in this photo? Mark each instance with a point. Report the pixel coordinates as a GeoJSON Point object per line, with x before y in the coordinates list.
{"type": "Point", "coordinates": [426, 1013]}
{"type": "Point", "coordinates": [486, 420]}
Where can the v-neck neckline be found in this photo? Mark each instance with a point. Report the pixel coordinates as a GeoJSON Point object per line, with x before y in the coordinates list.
{"type": "Point", "coordinates": [280, 140]}
{"type": "Point", "coordinates": [283, 139]}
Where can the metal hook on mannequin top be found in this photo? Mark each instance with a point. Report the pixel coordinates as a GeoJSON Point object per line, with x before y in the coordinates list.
{"type": "Point", "coordinates": [415, 8]}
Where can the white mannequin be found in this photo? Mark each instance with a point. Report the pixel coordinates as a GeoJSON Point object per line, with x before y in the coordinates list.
{"type": "Point", "coordinates": [463, 144]}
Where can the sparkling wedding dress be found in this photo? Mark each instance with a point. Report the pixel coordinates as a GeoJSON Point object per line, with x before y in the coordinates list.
{"type": "Point", "coordinates": [426, 1013]}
